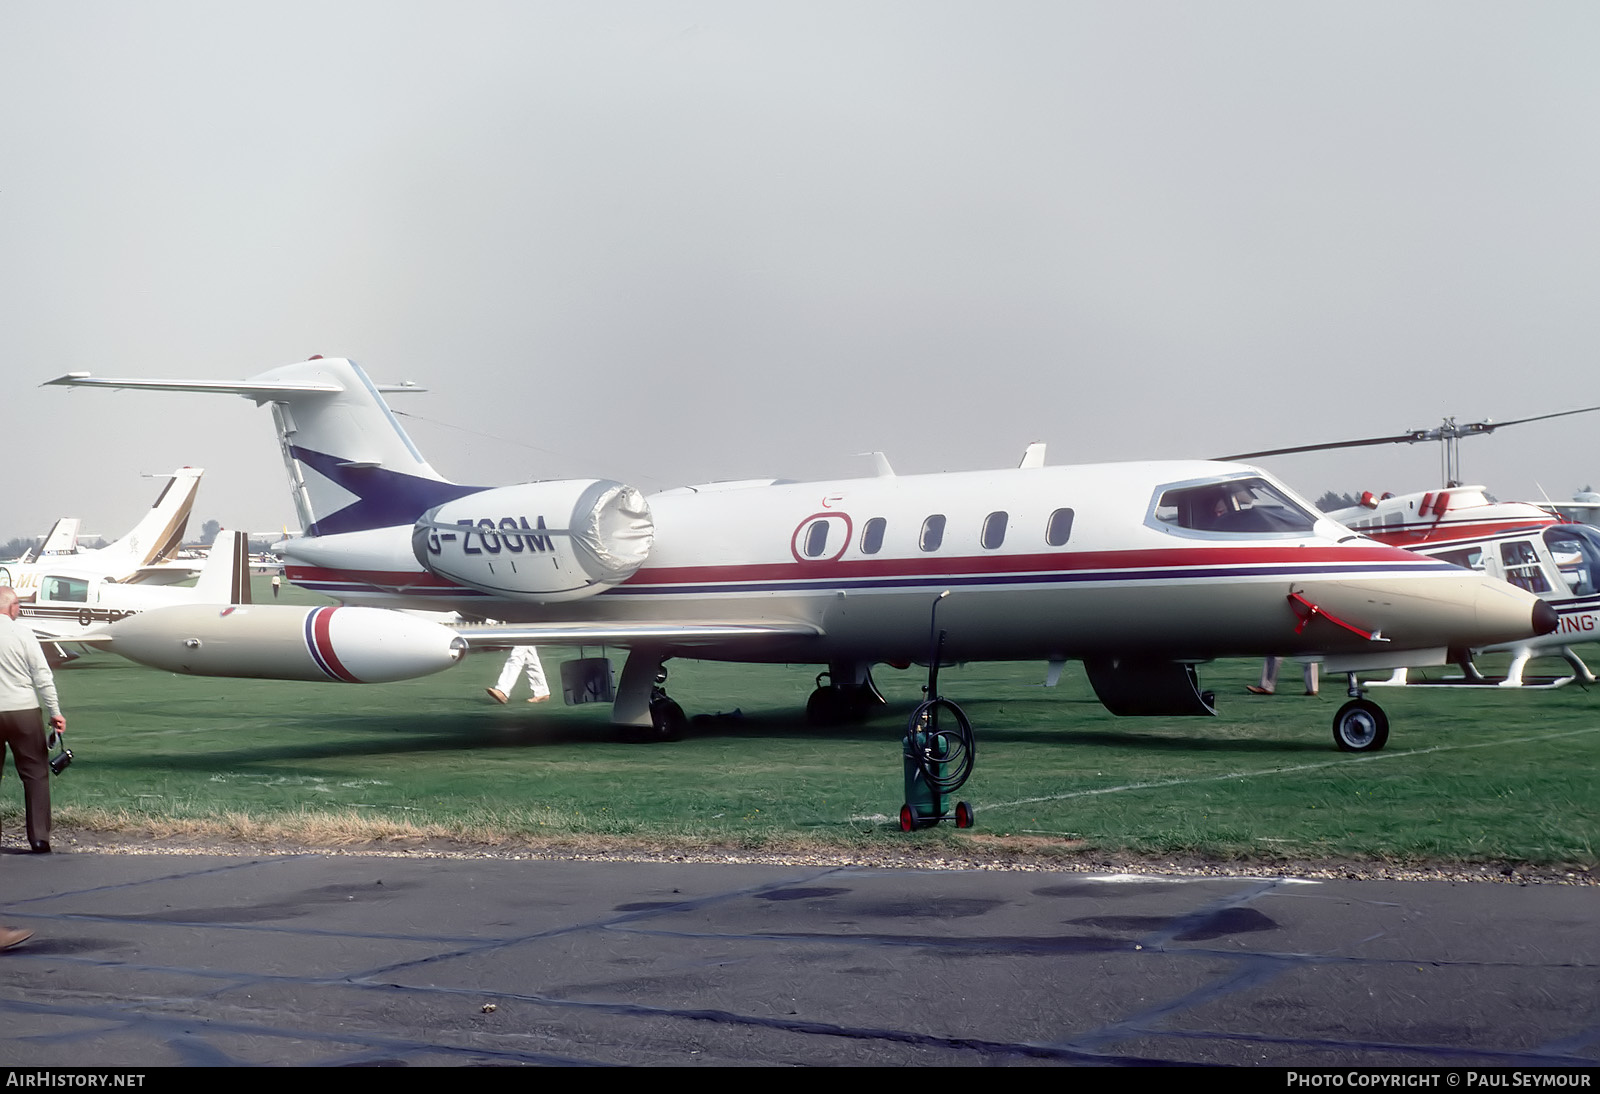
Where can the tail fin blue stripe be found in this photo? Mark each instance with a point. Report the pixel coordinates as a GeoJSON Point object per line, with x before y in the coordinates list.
{"type": "Point", "coordinates": [384, 498]}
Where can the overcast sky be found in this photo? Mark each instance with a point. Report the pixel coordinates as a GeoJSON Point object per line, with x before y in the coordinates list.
{"type": "Point", "coordinates": [672, 242]}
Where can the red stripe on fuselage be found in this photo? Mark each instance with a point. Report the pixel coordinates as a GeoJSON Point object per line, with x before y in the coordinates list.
{"type": "Point", "coordinates": [324, 641]}
{"type": "Point", "coordinates": [937, 565]}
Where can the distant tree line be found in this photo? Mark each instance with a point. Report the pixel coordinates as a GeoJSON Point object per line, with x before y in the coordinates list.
{"type": "Point", "coordinates": [1331, 501]}
{"type": "Point", "coordinates": [13, 548]}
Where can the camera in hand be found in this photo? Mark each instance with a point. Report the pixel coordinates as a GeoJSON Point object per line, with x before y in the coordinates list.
{"type": "Point", "coordinates": [63, 759]}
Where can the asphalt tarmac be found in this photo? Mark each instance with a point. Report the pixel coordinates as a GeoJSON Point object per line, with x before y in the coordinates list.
{"type": "Point", "coordinates": [327, 959]}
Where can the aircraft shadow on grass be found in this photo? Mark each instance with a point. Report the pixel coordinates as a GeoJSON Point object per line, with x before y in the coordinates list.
{"type": "Point", "coordinates": [482, 728]}
{"type": "Point", "coordinates": [446, 731]}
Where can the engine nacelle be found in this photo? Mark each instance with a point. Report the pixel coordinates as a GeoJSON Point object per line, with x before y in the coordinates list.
{"type": "Point", "coordinates": [539, 541]}
{"type": "Point", "coordinates": [1126, 687]}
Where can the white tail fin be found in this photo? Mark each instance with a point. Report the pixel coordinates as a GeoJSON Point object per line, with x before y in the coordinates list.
{"type": "Point", "coordinates": [160, 532]}
{"type": "Point", "coordinates": [225, 578]}
{"type": "Point", "coordinates": [62, 538]}
{"type": "Point", "coordinates": [351, 467]}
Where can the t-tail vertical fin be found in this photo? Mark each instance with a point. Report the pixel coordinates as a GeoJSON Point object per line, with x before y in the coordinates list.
{"type": "Point", "coordinates": [351, 466]}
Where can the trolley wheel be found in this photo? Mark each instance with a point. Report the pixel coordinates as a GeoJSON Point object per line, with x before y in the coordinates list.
{"type": "Point", "coordinates": [908, 818]}
{"type": "Point", "coordinates": [964, 818]}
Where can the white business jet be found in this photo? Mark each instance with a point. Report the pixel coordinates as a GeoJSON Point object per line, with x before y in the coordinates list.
{"type": "Point", "coordinates": [140, 556]}
{"type": "Point", "coordinates": [1140, 570]}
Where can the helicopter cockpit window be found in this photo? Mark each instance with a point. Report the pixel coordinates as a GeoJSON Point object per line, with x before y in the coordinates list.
{"type": "Point", "coordinates": [1576, 550]}
{"type": "Point", "coordinates": [1522, 566]}
{"type": "Point", "coordinates": [1238, 506]}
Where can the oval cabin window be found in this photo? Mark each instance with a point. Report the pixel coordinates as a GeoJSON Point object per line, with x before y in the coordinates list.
{"type": "Point", "coordinates": [994, 529]}
{"type": "Point", "coordinates": [816, 539]}
{"type": "Point", "coordinates": [932, 533]}
{"type": "Point", "coordinates": [872, 536]}
{"type": "Point", "coordinates": [1059, 529]}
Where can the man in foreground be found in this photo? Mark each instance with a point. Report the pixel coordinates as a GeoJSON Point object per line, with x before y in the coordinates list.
{"type": "Point", "coordinates": [26, 684]}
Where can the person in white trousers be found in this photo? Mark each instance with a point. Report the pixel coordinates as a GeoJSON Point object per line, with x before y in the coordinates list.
{"type": "Point", "coordinates": [525, 659]}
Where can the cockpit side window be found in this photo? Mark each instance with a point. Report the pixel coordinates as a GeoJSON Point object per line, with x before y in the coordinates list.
{"type": "Point", "coordinates": [1522, 567]}
{"type": "Point", "coordinates": [1234, 506]}
{"type": "Point", "coordinates": [66, 590]}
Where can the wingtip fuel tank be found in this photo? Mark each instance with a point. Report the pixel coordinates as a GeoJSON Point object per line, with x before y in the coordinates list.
{"type": "Point", "coordinates": [283, 642]}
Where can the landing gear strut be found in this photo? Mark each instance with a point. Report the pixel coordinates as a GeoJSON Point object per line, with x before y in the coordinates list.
{"type": "Point", "coordinates": [1361, 725]}
{"type": "Point", "coordinates": [642, 707]}
{"type": "Point", "coordinates": [667, 720]}
{"type": "Point", "coordinates": [848, 695]}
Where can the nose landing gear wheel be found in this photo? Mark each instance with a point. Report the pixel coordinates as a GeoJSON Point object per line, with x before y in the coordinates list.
{"type": "Point", "coordinates": [1360, 726]}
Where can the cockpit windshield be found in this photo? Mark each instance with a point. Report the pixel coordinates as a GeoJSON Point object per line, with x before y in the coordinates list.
{"type": "Point", "coordinates": [1233, 506]}
{"type": "Point", "coordinates": [1576, 550]}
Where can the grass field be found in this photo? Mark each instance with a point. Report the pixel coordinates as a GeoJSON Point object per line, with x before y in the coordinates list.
{"type": "Point", "coordinates": [1468, 777]}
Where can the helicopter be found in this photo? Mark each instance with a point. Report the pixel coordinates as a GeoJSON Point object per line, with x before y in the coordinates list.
{"type": "Point", "coordinates": [1539, 548]}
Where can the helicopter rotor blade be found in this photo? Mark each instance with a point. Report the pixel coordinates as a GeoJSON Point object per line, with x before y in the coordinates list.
{"type": "Point", "coordinates": [1448, 431]}
{"type": "Point", "coordinates": [1490, 427]}
{"type": "Point", "coordinates": [1404, 438]}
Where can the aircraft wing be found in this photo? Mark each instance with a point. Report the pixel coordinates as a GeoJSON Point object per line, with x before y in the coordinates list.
{"type": "Point", "coordinates": [627, 633]}
{"type": "Point", "coordinates": [47, 631]}
{"type": "Point", "coordinates": [162, 573]}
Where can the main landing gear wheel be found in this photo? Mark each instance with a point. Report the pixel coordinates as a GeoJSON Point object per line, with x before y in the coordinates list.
{"type": "Point", "coordinates": [667, 721]}
{"type": "Point", "coordinates": [827, 706]}
{"type": "Point", "coordinates": [1360, 726]}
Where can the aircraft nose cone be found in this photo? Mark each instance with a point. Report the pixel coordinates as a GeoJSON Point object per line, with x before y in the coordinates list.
{"type": "Point", "coordinates": [1545, 618]}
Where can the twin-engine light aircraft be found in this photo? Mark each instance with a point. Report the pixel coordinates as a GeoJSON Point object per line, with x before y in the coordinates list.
{"type": "Point", "coordinates": [141, 556]}
{"type": "Point", "coordinates": [1140, 570]}
{"type": "Point", "coordinates": [71, 604]}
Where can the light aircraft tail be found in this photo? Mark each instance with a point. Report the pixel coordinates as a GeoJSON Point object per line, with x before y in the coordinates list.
{"type": "Point", "coordinates": [160, 532]}
{"type": "Point", "coordinates": [62, 539]}
{"type": "Point", "coordinates": [225, 578]}
{"type": "Point", "coordinates": [351, 467]}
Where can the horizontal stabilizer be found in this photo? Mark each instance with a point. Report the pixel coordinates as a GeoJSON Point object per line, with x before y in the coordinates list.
{"type": "Point", "coordinates": [250, 389]}
{"type": "Point", "coordinates": [237, 387]}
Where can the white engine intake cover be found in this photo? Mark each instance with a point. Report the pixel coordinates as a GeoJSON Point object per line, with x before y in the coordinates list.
{"type": "Point", "coordinates": [540, 541]}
